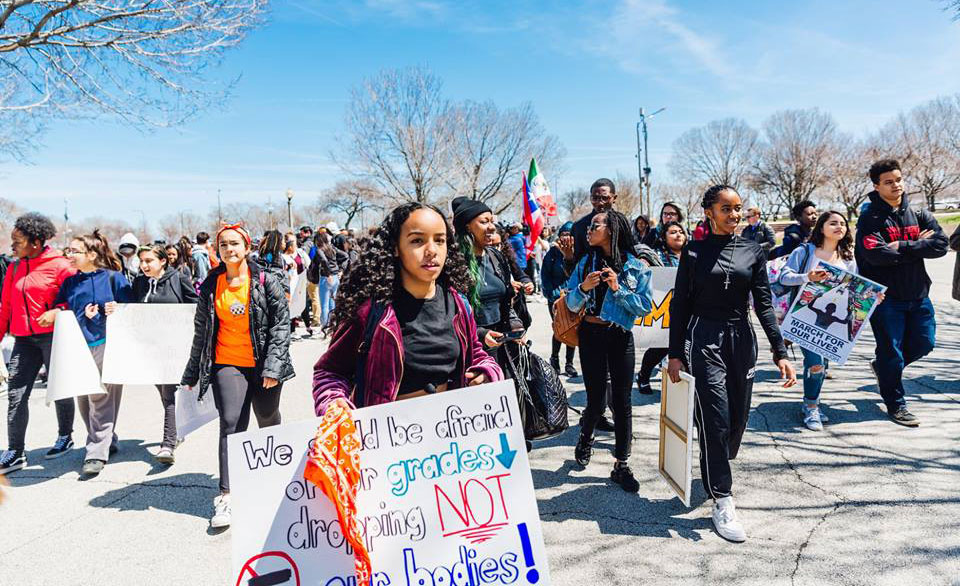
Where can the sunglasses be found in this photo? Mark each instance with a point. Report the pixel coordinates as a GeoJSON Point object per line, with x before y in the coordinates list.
{"type": "Point", "coordinates": [595, 197]}
{"type": "Point", "coordinates": [595, 226]}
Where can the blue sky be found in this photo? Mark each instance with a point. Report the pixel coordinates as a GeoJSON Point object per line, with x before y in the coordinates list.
{"type": "Point", "coordinates": [585, 66]}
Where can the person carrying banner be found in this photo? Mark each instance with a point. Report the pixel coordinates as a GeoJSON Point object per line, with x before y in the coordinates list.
{"type": "Point", "coordinates": [711, 337]}
{"type": "Point", "coordinates": [30, 286]}
{"type": "Point", "coordinates": [159, 283]}
{"type": "Point", "coordinates": [668, 249]}
{"type": "Point", "coordinates": [893, 240]}
{"type": "Point", "coordinates": [241, 347]}
{"type": "Point", "coordinates": [830, 243]}
{"type": "Point", "coordinates": [614, 288]}
{"type": "Point", "coordinates": [92, 294]}
{"type": "Point", "coordinates": [553, 277]}
{"type": "Point", "coordinates": [403, 327]}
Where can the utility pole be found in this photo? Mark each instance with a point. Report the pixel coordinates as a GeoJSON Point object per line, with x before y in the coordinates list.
{"type": "Point", "coordinates": [270, 211]}
{"type": "Point", "coordinates": [643, 168]}
{"type": "Point", "coordinates": [219, 208]}
{"type": "Point", "coordinates": [290, 209]}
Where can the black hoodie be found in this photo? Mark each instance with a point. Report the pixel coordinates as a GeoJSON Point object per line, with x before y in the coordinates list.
{"type": "Point", "coordinates": [902, 269]}
{"type": "Point", "coordinates": [171, 287]}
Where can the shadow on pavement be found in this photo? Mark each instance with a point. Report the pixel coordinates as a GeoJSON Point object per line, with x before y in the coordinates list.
{"type": "Point", "coordinates": [40, 470]}
{"type": "Point", "coordinates": [187, 494]}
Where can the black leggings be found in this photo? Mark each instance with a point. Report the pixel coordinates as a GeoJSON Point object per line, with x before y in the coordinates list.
{"type": "Point", "coordinates": [235, 390]}
{"type": "Point", "coordinates": [721, 357]}
{"type": "Point", "coordinates": [168, 398]}
{"type": "Point", "coordinates": [651, 358]}
{"type": "Point", "coordinates": [603, 350]}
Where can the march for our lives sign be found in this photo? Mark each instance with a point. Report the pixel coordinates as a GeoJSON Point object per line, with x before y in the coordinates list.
{"type": "Point", "coordinates": [446, 498]}
{"type": "Point", "coordinates": [828, 317]}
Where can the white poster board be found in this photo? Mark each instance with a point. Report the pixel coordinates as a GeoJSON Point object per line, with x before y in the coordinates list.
{"type": "Point", "coordinates": [653, 330]}
{"type": "Point", "coordinates": [73, 373]}
{"type": "Point", "coordinates": [828, 317]}
{"type": "Point", "coordinates": [191, 413]}
{"type": "Point", "coordinates": [298, 298]}
{"type": "Point", "coordinates": [676, 434]}
{"type": "Point", "coordinates": [446, 493]}
{"type": "Point", "coordinates": [148, 343]}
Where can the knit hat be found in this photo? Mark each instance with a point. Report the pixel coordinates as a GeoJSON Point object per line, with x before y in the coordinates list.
{"type": "Point", "coordinates": [566, 227]}
{"type": "Point", "coordinates": [465, 210]}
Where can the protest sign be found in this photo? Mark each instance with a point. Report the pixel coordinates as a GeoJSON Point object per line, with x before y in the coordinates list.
{"type": "Point", "coordinates": [446, 497]}
{"type": "Point", "coordinates": [191, 413]}
{"type": "Point", "coordinates": [148, 343]}
{"type": "Point", "coordinates": [653, 330]}
{"type": "Point", "coordinates": [676, 434]}
{"type": "Point", "coordinates": [827, 317]}
{"type": "Point", "coordinates": [298, 299]}
{"type": "Point", "coordinates": [779, 294]}
{"type": "Point", "coordinates": [73, 373]}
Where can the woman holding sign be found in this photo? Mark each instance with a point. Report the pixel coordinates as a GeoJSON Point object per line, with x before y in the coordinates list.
{"type": "Point", "coordinates": [241, 347]}
{"type": "Point", "coordinates": [614, 288]}
{"type": "Point", "coordinates": [402, 327]}
{"type": "Point", "coordinates": [830, 243]}
{"type": "Point", "coordinates": [160, 283]}
{"type": "Point", "coordinates": [92, 294]}
{"type": "Point", "coordinates": [711, 337]}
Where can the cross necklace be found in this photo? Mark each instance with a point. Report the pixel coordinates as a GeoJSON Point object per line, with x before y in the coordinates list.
{"type": "Point", "coordinates": [729, 268]}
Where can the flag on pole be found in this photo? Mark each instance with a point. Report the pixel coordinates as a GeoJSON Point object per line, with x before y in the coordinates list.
{"type": "Point", "coordinates": [540, 190]}
{"type": "Point", "coordinates": [532, 217]}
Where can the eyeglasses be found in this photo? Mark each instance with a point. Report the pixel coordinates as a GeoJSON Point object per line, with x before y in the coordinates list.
{"type": "Point", "coordinates": [595, 226]}
{"type": "Point", "coordinates": [70, 251]}
{"type": "Point", "coordinates": [669, 214]}
{"type": "Point", "coordinates": [598, 197]}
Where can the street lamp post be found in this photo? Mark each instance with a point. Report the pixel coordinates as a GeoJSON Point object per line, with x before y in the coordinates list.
{"type": "Point", "coordinates": [290, 209]}
{"type": "Point", "coordinates": [219, 208]}
{"type": "Point", "coordinates": [643, 169]}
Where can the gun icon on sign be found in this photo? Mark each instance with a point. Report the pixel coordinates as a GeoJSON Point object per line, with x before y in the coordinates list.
{"type": "Point", "coordinates": [271, 579]}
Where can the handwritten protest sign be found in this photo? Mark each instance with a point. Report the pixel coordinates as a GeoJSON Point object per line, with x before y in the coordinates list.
{"type": "Point", "coordinates": [148, 344]}
{"type": "Point", "coordinates": [828, 317]}
{"type": "Point", "coordinates": [653, 329]}
{"type": "Point", "coordinates": [73, 373]}
{"type": "Point", "coordinates": [446, 498]}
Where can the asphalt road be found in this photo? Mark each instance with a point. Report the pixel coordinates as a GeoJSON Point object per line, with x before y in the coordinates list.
{"type": "Point", "coordinates": [863, 502]}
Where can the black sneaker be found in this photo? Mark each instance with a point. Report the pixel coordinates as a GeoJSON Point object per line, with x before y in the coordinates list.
{"type": "Point", "coordinates": [60, 447]}
{"type": "Point", "coordinates": [643, 388]}
{"type": "Point", "coordinates": [11, 461]}
{"type": "Point", "coordinates": [623, 476]}
{"type": "Point", "coordinates": [583, 451]}
{"type": "Point", "coordinates": [904, 417]}
{"type": "Point", "coordinates": [873, 368]}
{"type": "Point", "coordinates": [605, 425]}
{"type": "Point", "coordinates": [114, 448]}
{"type": "Point", "coordinates": [570, 371]}
{"type": "Point", "coordinates": [555, 363]}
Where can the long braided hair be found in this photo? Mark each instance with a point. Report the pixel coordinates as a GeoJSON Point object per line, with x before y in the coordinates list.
{"type": "Point", "coordinates": [376, 272]}
{"type": "Point", "coordinates": [473, 266]}
{"type": "Point", "coordinates": [621, 241]}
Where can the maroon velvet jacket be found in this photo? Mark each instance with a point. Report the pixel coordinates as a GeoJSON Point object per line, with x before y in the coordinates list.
{"type": "Point", "coordinates": [333, 373]}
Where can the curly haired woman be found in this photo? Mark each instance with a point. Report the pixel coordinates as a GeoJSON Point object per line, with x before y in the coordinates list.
{"type": "Point", "coordinates": [411, 279]}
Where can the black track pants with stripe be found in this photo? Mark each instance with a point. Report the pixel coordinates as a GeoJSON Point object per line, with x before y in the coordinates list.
{"type": "Point", "coordinates": [721, 357]}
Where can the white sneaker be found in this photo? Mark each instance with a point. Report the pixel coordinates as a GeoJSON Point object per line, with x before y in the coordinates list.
{"type": "Point", "coordinates": [725, 520]}
{"type": "Point", "coordinates": [812, 418]}
{"type": "Point", "coordinates": [221, 512]}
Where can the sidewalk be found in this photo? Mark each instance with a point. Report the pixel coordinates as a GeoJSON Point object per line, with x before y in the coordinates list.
{"type": "Point", "coordinates": [863, 502]}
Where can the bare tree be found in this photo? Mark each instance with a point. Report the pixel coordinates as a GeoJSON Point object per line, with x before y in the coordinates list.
{"type": "Point", "coordinates": [398, 134]}
{"type": "Point", "coordinates": [350, 199]}
{"type": "Point", "coordinates": [185, 223]}
{"type": "Point", "coordinates": [793, 161]}
{"type": "Point", "coordinates": [491, 147]}
{"type": "Point", "coordinates": [9, 212]}
{"type": "Point", "coordinates": [629, 195]}
{"type": "Point", "coordinates": [575, 202]}
{"type": "Point", "coordinates": [847, 178]}
{"type": "Point", "coordinates": [139, 60]}
{"type": "Point", "coordinates": [722, 152]}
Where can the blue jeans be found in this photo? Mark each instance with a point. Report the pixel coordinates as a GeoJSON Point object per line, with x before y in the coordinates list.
{"type": "Point", "coordinates": [327, 290]}
{"type": "Point", "coordinates": [812, 381]}
{"type": "Point", "coordinates": [905, 333]}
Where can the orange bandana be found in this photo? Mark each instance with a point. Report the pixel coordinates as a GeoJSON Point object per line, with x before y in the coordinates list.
{"type": "Point", "coordinates": [333, 464]}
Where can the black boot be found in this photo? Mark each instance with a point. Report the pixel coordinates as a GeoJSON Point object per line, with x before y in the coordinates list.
{"type": "Point", "coordinates": [555, 363]}
{"type": "Point", "coordinates": [584, 450]}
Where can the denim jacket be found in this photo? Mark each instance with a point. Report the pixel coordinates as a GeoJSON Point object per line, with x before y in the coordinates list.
{"type": "Point", "coordinates": [631, 300]}
{"type": "Point", "coordinates": [794, 275]}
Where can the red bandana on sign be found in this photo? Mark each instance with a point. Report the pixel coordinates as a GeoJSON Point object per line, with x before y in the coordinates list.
{"type": "Point", "coordinates": [334, 465]}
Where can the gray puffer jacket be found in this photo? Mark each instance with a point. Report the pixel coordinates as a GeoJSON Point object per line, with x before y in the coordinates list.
{"type": "Point", "coordinates": [269, 329]}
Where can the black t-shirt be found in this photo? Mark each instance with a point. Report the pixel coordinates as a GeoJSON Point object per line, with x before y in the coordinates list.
{"type": "Point", "coordinates": [492, 290]}
{"type": "Point", "coordinates": [594, 263]}
{"type": "Point", "coordinates": [430, 347]}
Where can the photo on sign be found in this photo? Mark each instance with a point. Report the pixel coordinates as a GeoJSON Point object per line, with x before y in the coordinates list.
{"type": "Point", "coordinates": [827, 317]}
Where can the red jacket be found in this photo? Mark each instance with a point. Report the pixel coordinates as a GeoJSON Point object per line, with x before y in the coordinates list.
{"type": "Point", "coordinates": [333, 373]}
{"type": "Point", "coordinates": [29, 289]}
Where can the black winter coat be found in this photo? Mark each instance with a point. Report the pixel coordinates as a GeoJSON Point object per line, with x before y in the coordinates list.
{"type": "Point", "coordinates": [762, 234]}
{"type": "Point", "coordinates": [512, 303]}
{"type": "Point", "coordinates": [269, 329]}
{"type": "Point", "coordinates": [171, 287]}
{"type": "Point", "coordinates": [955, 244]}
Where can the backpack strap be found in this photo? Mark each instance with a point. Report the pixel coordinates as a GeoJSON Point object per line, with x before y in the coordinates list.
{"type": "Point", "coordinates": [377, 309]}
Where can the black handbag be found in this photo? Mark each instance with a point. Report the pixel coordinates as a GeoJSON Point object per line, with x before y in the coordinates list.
{"type": "Point", "coordinates": [546, 401]}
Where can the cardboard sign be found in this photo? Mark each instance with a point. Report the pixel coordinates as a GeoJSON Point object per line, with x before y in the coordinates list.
{"type": "Point", "coordinates": [653, 330]}
{"type": "Point", "coordinates": [446, 498]}
{"type": "Point", "coordinates": [191, 413]}
{"type": "Point", "coordinates": [73, 373]}
{"type": "Point", "coordinates": [298, 298]}
{"type": "Point", "coordinates": [676, 434]}
{"type": "Point", "coordinates": [148, 343]}
{"type": "Point", "coordinates": [828, 317]}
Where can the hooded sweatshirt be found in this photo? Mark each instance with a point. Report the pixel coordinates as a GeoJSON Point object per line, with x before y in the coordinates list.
{"type": "Point", "coordinates": [201, 261]}
{"type": "Point", "coordinates": [131, 264]}
{"type": "Point", "coordinates": [902, 269]}
{"type": "Point", "coordinates": [170, 287]}
{"type": "Point", "coordinates": [29, 289]}
{"type": "Point", "coordinates": [98, 287]}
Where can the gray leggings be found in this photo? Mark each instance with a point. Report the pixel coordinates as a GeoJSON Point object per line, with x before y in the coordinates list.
{"type": "Point", "coordinates": [168, 397]}
{"type": "Point", "coordinates": [235, 390]}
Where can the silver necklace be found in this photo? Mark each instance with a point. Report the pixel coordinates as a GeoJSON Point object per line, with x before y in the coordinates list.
{"type": "Point", "coordinates": [729, 268]}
